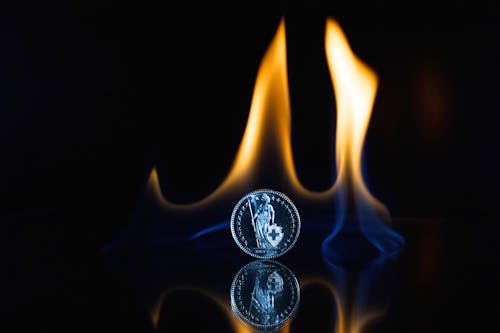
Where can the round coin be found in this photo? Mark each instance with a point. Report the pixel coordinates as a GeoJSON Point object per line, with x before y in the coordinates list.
{"type": "Point", "coordinates": [265, 224]}
{"type": "Point", "coordinates": [265, 294]}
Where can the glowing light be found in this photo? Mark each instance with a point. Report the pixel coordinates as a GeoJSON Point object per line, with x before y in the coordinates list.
{"type": "Point", "coordinates": [267, 133]}
{"type": "Point", "coordinates": [238, 326]}
{"type": "Point", "coordinates": [355, 85]}
{"type": "Point", "coordinates": [347, 321]}
{"type": "Point", "coordinates": [266, 142]}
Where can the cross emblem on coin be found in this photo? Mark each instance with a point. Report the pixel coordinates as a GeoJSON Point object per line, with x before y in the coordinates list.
{"type": "Point", "coordinates": [273, 234]}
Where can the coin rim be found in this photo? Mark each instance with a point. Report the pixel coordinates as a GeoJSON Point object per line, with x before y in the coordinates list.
{"type": "Point", "coordinates": [238, 312]}
{"type": "Point", "coordinates": [243, 248]}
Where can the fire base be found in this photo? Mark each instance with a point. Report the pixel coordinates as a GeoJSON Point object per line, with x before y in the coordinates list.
{"type": "Point", "coordinates": [352, 245]}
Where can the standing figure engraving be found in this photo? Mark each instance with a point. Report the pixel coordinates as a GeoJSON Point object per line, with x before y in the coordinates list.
{"type": "Point", "coordinates": [262, 220]}
{"type": "Point", "coordinates": [267, 288]}
{"type": "Point", "coordinates": [265, 223]}
{"type": "Point", "coordinates": [265, 294]}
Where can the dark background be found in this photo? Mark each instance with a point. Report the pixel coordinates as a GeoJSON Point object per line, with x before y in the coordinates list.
{"type": "Point", "coordinates": [92, 94]}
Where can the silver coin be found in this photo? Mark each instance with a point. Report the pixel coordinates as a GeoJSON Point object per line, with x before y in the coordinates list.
{"type": "Point", "coordinates": [265, 295]}
{"type": "Point", "coordinates": [265, 224]}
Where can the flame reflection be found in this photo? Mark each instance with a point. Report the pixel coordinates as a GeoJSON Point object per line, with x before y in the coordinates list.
{"type": "Point", "coordinates": [351, 317]}
{"type": "Point", "coordinates": [353, 321]}
{"type": "Point", "coordinates": [219, 301]}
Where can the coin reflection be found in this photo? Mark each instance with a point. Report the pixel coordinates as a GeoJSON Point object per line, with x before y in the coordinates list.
{"type": "Point", "coordinates": [265, 294]}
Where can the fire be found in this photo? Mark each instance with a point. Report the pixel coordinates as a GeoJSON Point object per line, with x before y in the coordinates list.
{"type": "Point", "coordinates": [237, 325]}
{"type": "Point", "coordinates": [268, 129]}
{"type": "Point", "coordinates": [350, 319]}
{"type": "Point", "coordinates": [267, 132]}
{"type": "Point", "coordinates": [355, 86]}
{"type": "Point", "coordinates": [353, 321]}
{"type": "Point", "coordinates": [267, 135]}
{"type": "Point", "coordinates": [266, 149]}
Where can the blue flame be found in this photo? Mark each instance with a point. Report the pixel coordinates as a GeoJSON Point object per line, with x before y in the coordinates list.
{"type": "Point", "coordinates": [213, 228]}
{"type": "Point", "coordinates": [378, 233]}
{"type": "Point", "coordinates": [360, 231]}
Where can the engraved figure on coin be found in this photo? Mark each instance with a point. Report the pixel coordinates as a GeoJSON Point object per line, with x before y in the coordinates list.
{"type": "Point", "coordinates": [262, 219]}
{"type": "Point", "coordinates": [265, 292]}
{"type": "Point", "coordinates": [265, 224]}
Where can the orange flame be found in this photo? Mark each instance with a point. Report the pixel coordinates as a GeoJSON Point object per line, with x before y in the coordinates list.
{"type": "Point", "coordinates": [237, 324]}
{"type": "Point", "coordinates": [355, 85]}
{"type": "Point", "coordinates": [267, 133]}
{"type": "Point", "coordinates": [347, 321]}
{"type": "Point", "coordinates": [268, 129]}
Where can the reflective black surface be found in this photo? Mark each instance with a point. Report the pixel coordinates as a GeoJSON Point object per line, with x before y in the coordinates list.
{"type": "Point", "coordinates": [444, 280]}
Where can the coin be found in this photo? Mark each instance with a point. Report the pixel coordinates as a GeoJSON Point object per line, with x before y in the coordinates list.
{"type": "Point", "coordinates": [265, 294]}
{"type": "Point", "coordinates": [265, 224]}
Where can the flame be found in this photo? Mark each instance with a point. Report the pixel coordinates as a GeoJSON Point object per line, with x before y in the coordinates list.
{"type": "Point", "coordinates": [355, 86]}
{"type": "Point", "coordinates": [267, 132]}
{"type": "Point", "coordinates": [269, 122]}
{"type": "Point", "coordinates": [268, 129]}
{"type": "Point", "coordinates": [266, 142]}
{"type": "Point", "coordinates": [237, 325]}
{"type": "Point", "coordinates": [353, 321]}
